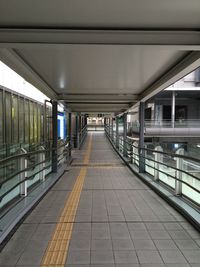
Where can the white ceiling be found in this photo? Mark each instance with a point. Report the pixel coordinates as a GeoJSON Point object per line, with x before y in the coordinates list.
{"type": "Point", "coordinates": [157, 14]}
{"type": "Point", "coordinates": [119, 52]}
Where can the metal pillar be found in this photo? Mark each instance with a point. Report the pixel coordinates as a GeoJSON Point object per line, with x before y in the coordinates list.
{"type": "Point", "coordinates": [77, 132]}
{"type": "Point", "coordinates": [125, 134]}
{"type": "Point", "coordinates": [117, 132]}
{"type": "Point", "coordinates": [112, 130]}
{"type": "Point", "coordinates": [141, 138]}
{"type": "Point", "coordinates": [70, 132]}
{"type": "Point", "coordinates": [173, 109]}
{"type": "Point", "coordinates": [55, 136]}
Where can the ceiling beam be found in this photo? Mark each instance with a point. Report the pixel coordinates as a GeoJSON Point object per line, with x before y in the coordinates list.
{"type": "Point", "coordinates": [13, 37]}
{"type": "Point", "coordinates": [118, 98]}
{"type": "Point", "coordinates": [186, 65]}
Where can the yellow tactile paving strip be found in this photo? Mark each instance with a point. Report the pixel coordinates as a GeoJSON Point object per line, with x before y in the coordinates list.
{"type": "Point", "coordinates": [57, 248]}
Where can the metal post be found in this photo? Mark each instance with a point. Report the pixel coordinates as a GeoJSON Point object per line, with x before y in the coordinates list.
{"type": "Point", "coordinates": [173, 109]}
{"type": "Point", "coordinates": [125, 134]}
{"type": "Point", "coordinates": [117, 132]}
{"type": "Point", "coordinates": [55, 136]}
{"type": "Point", "coordinates": [42, 165]}
{"type": "Point", "coordinates": [70, 133]}
{"type": "Point", "coordinates": [112, 130]}
{"type": "Point", "coordinates": [77, 132]}
{"type": "Point", "coordinates": [179, 165]}
{"type": "Point", "coordinates": [158, 159]}
{"type": "Point", "coordinates": [141, 139]}
{"type": "Point", "coordinates": [23, 163]}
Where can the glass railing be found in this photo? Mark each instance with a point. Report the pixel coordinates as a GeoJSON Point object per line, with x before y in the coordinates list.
{"type": "Point", "coordinates": [179, 172]}
{"type": "Point", "coordinates": [22, 171]}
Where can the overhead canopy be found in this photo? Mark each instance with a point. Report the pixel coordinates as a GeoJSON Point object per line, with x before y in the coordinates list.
{"type": "Point", "coordinates": [100, 56]}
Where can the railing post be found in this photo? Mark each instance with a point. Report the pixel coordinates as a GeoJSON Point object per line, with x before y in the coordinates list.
{"type": "Point", "coordinates": [158, 158]}
{"type": "Point", "coordinates": [42, 165]}
{"type": "Point", "coordinates": [179, 165]}
{"type": "Point", "coordinates": [23, 164]}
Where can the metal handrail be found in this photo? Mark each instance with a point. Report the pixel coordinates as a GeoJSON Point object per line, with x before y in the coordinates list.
{"type": "Point", "coordinates": [27, 155]}
{"type": "Point", "coordinates": [172, 155]}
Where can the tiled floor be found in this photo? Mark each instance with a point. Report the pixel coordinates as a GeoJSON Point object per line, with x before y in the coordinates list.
{"type": "Point", "coordinates": [120, 222]}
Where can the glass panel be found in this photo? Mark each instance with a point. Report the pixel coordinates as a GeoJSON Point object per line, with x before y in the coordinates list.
{"type": "Point", "coordinates": [8, 118]}
{"type": "Point", "coordinates": [31, 123]}
{"type": "Point", "coordinates": [39, 123]}
{"type": "Point", "coordinates": [192, 168]}
{"type": "Point", "coordinates": [15, 119]}
{"type": "Point", "coordinates": [164, 177]}
{"type": "Point", "coordinates": [21, 120]}
{"type": "Point", "coordinates": [1, 117]}
{"type": "Point", "coordinates": [35, 123]}
{"type": "Point", "coordinates": [27, 127]}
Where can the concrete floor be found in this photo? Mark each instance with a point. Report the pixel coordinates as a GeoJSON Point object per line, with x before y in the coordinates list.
{"type": "Point", "coordinates": [119, 222]}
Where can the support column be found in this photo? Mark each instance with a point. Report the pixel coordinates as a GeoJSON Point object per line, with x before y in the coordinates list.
{"type": "Point", "coordinates": [77, 132]}
{"type": "Point", "coordinates": [70, 133]}
{"type": "Point", "coordinates": [117, 132]}
{"type": "Point", "coordinates": [173, 109]}
{"type": "Point", "coordinates": [141, 139]}
{"type": "Point", "coordinates": [125, 134]}
{"type": "Point", "coordinates": [112, 130]}
{"type": "Point", "coordinates": [55, 136]}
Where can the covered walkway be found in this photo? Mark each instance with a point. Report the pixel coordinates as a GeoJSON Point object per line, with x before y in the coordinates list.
{"type": "Point", "coordinates": [100, 214]}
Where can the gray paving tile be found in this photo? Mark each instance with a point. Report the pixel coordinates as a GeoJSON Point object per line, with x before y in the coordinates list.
{"type": "Point", "coordinates": [136, 226]}
{"type": "Point", "coordinates": [152, 265]}
{"type": "Point", "coordinates": [149, 256]}
{"type": "Point", "coordinates": [78, 257]}
{"type": "Point", "coordinates": [186, 244]}
{"type": "Point", "coordinates": [165, 244]}
{"type": "Point", "coordinates": [177, 265]}
{"type": "Point", "coordinates": [101, 244]}
{"type": "Point", "coordinates": [102, 257]}
{"type": "Point", "coordinates": [127, 265]}
{"type": "Point", "coordinates": [125, 256]}
{"type": "Point", "coordinates": [179, 234]}
{"type": "Point", "coordinates": [139, 234]}
{"type": "Point", "coordinates": [173, 226]}
{"type": "Point", "coordinates": [144, 244]}
{"type": "Point", "coordinates": [154, 226]}
{"type": "Point", "coordinates": [122, 244]}
{"type": "Point", "coordinates": [193, 256]}
{"type": "Point", "coordinates": [172, 256]}
{"type": "Point", "coordinates": [80, 244]}
{"type": "Point", "coordinates": [29, 257]}
{"type": "Point", "coordinates": [159, 234]}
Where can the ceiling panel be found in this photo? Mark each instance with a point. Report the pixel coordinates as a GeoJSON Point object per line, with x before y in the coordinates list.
{"type": "Point", "coordinates": [105, 13]}
{"type": "Point", "coordinates": [99, 68]}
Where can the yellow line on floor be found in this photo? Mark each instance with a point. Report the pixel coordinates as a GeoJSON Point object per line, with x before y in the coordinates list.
{"type": "Point", "coordinates": [57, 248]}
